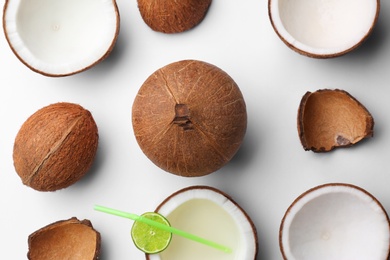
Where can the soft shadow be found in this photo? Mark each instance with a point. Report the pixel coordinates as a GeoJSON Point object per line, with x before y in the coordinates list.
{"type": "Point", "coordinates": [246, 153]}
{"type": "Point", "coordinates": [372, 46]}
{"type": "Point", "coordinates": [113, 59]}
{"type": "Point", "coordinates": [375, 42]}
{"type": "Point", "coordinates": [103, 249]}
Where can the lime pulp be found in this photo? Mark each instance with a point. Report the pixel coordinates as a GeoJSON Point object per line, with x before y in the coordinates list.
{"type": "Point", "coordinates": [149, 239]}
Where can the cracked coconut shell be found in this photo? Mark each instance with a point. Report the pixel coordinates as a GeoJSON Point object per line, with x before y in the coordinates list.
{"type": "Point", "coordinates": [55, 146]}
{"type": "Point", "coordinates": [65, 239]}
{"type": "Point", "coordinates": [189, 118]}
{"type": "Point", "coordinates": [170, 16]}
{"type": "Point", "coordinates": [332, 118]}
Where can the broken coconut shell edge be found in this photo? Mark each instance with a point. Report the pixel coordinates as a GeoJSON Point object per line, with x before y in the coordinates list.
{"type": "Point", "coordinates": [369, 121]}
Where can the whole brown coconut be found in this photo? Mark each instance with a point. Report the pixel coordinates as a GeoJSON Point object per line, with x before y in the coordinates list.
{"type": "Point", "coordinates": [328, 119]}
{"type": "Point", "coordinates": [65, 239]}
{"type": "Point", "coordinates": [171, 16]}
{"type": "Point", "coordinates": [189, 118]}
{"type": "Point", "coordinates": [55, 147]}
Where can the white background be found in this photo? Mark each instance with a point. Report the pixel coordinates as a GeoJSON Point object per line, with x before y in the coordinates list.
{"type": "Point", "coordinates": [270, 170]}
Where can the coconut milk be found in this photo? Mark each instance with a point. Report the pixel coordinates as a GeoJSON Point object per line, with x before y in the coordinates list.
{"type": "Point", "coordinates": [206, 219]}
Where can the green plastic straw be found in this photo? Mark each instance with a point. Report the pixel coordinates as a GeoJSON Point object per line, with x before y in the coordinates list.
{"type": "Point", "coordinates": [163, 227]}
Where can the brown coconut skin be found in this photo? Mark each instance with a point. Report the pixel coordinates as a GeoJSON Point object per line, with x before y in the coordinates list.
{"type": "Point", "coordinates": [55, 146]}
{"type": "Point", "coordinates": [328, 119]}
{"type": "Point", "coordinates": [189, 118]}
{"type": "Point", "coordinates": [99, 60]}
{"type": "Point", "coordinates": [281, 228]}
{"type": "Point", "coordinates": [170, 16]}
{"type": "Point", "coordinates": [324, 56]}
{"type": "Point", "coordinates": [228, 197]}
{"type": "Point", "coordinates": [65, 239]}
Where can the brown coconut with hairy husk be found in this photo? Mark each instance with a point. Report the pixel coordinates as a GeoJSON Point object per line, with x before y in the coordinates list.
{"type": "Point", "coordinates": [170, 16]}
{"type": "Point", "coordinates": [65, 239]}
{"type": "Point", "coordinates": [332, 118]}
{"type": "Point", "coordinates": [55, 146]}
{"type": "Point", "coordinates": [189, 118]}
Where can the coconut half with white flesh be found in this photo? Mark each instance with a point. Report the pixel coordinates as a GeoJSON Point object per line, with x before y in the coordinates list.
{"type": "Point", "coordinates": [335, 221]}
{"type": "Point", "coordinates": [323, 29]}
{"type": "Point", "coordinates": [211, 214]}
{"type": "Point", "coordinates": [61, 38]}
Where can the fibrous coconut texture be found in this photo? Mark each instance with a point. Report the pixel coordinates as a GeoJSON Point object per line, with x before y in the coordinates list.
{"type": "Point", "coordinates": [328, 119]}
{"type": "Point", "coordinates": [65, 239]}
{"type": "Point", "coordinates": [323, 29]}
{"type": "Point", "coordinates": [335, 221]}
{"type": "Point", "coordinates": [212, 214]}
{"type": "Point", "coordinates": [171, 16]}
{"type": "Point", "coordinates": [189, 118]}
{"type": "Point", "coordinates": [61, 38]}
{"type": "Point", "coordinates": [55, 146]}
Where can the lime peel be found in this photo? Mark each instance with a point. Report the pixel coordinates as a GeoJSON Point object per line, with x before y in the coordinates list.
{"type": "Point", "coordinates": [151, 239]}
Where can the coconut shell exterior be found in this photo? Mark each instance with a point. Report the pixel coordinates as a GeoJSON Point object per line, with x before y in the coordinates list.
{"type": "Point", "coordinates": [189, 118]}
{"type": "Point", "coordinates": [55, 146]}
{"type": "Point", "coordinates": [170, 16]}
{"type": "Point", "coordinates": [65, 239]}
{"type": "Point", "coordinates": [328, 119]}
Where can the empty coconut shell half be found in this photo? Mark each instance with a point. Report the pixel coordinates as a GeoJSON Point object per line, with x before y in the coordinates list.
{"type": "Point", "coordinates": [171, 16]}
{"type": "Point", "coordinates": [65, 239]}
{"type": "Point", "coordinates": [332, 118]}
{"type": "Point", "coordinates": [189, 118]}
{"type": "Point", "coordinates": [61, 38]}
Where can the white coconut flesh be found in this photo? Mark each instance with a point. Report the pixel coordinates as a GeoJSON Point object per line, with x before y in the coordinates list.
{"type": "Point", "coordinates": [211, 215]}
{"type": "Point", "coordinates": [61, 37]}
{"type": "Point", "coordinates": [323, 27]}
{"type": "Point", "coordinates": [340, 222]}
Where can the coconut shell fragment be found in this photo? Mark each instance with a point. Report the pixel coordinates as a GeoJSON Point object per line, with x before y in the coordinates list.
{"type": "Point", "coordinates": [55, 146]}
{"type": "Point", "coordinates": [65, 239]}
{"type": "Point", "coordinates": [189, 118]}
{"type": "Point", "coordinates": [171, 16]}
{"type": "Point", "coordinates": [328, 119]}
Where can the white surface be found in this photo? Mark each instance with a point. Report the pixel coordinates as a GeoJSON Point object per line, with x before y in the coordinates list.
{"type": "Point", "coordinates": [268, 173]}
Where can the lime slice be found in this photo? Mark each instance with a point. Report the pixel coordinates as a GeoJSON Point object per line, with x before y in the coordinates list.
{"type": "Point", "coordinates": [149, 239]}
